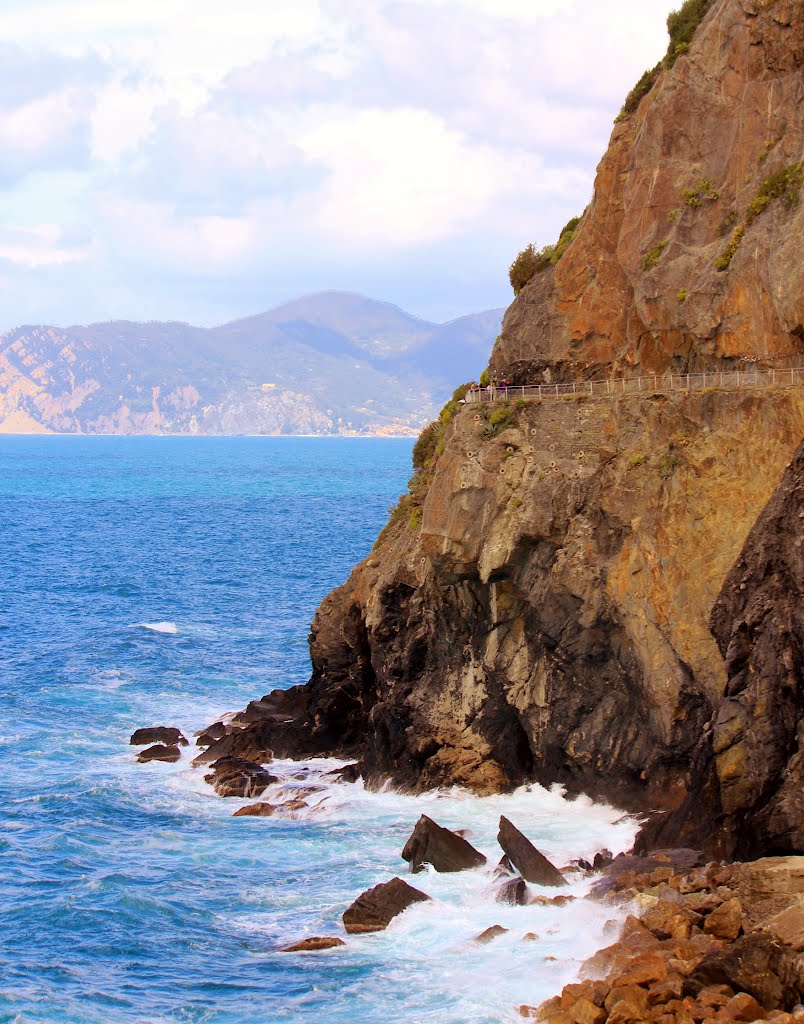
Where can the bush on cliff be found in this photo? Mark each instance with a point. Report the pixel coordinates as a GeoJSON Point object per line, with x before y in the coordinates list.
{"type": "Point", "coordinates": [681, 26]}
{"type": "Point", "coordinates": [641, 89]}
{"type": "Point", "coordinates": [532, 261]}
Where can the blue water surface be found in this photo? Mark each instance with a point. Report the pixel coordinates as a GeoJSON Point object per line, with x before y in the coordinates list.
{"type": "Point", "coordinates": [110, 894]}
{"type": "Point", "coordinates": [129, 892]}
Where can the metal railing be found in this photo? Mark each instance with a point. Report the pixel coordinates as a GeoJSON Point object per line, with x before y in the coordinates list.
{"type": "Point", "coordinates": [731, 379]}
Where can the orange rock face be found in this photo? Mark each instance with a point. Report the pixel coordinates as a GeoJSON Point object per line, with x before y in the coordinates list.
{"type": "Point", "coordinates": [640, 289]}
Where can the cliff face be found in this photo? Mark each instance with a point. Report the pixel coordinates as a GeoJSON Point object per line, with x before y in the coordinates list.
{"type": "Point", "coordinates": [748, 791]}
{"type": "Point", "coordinates": [640, 287]}
{"type": "Point", "coordinates": [539, 607]}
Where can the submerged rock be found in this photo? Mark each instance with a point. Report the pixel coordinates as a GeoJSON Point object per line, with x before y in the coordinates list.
{"type": "Point", "coordinates": [446, 851]}
{"type": "Point", "coordinates": [257, 810]}
{"type": "Point", "coordinates": [532, 865]}
{"type": "Point", "coordinates": [314, 944]}
{"type": "Point", "coordinates": [235, 776]}
{"type": "Point", "coordinates": [374, 909]}
{"type": "Point", "coordinates": [158, 734]}
{"type": "Point", "coordinates": [160, 752]}
{"type": "Point", "coordinates": [490, 933]}
{"type": "Point", "coordinates": [514, 891]}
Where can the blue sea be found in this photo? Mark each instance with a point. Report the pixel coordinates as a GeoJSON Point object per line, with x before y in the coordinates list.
{"type": "Point", "coordinates": [167, 581]}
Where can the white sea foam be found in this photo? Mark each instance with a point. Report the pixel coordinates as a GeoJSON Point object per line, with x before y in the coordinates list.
{"type": "Point", "coordinates": [168, 628]}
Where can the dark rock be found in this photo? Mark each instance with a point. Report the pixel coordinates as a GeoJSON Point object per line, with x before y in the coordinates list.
{"type": "Point", "coordinates": [235, 776]}
{"type": "Point", "coordinates": [430, 843]}
{"type": "Point", "coordinates": [584, 865]}
{"type": "Point", "coordinates": [602, 859]}
{"type": "Point", "coordinates": [236, 743]}
{"type": "Point", "coordinates": [490, 933]}
{"type": "Point", "coordinates": [532, 865]}
{"type": "Point", "coordinates": [757, 963]}
{"type": "Point", "coordinates": [159, 752]}
{"type": "Point", "coordinates": [313, 944]}
{"type": "Point", "coordinates": [256, 810]}
{"type": "Point", "coordinates": [551, 901]}
{"type": "Point", "coordinates": [747, 796]}
{"type": "Point", "coordinates": [158, 734]}
{"type": "Point", "coordinates": [504, 867]}
{"type": "Point", "coordinates": [349, 773]}
{"type": "Point", "coordinates": [374, 909]}
{"type": "Point", "coordinates": [514, 891]}
{"type": "Point", "coordinates": [213, 732]}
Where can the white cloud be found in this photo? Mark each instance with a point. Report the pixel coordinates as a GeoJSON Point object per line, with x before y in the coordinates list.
{"type": "Point", "coordinates": [251, 143]}
{"type": "Point", "coordinates": [41, 245]}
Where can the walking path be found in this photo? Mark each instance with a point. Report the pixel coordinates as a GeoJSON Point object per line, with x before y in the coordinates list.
{"type": "Point", "coordinates": [730, 379]}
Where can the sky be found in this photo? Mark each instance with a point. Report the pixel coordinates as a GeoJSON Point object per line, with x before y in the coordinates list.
{"type": "Point", "coordinates": [201, 161]}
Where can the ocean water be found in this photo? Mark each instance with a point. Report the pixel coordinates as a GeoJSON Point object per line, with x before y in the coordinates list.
{"type": "Point", "coordinates": [166, 581]}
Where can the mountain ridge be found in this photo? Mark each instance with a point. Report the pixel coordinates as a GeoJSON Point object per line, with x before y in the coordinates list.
{"type": "Point", "coordinates": [326, 363]}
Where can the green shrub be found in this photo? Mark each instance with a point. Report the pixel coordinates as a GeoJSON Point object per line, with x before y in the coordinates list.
{"type": "Point", "coordinates": [681, 26]}
{"type": "Point", "coordinates": [499, 418]}
{"type": "Point", "coordinates": [725, 258]}
{"type": "Point", "coordinates": [524, 267]}
{"type": "Point", "coordinates": [641, 89]}
{"type": "Point", "coordinates": [415, 517]}
{"type": "Point", "coordinates": [705, 189]}
{"type": "Point", "coordinates": [681, 294]}
{"type": "Point", "coordinates": [532, 261]}
{"type": "Point", "coordinates": [783, 184]}
{"type": "Point", "coordinates": [426, 444]}
{"type": "Point", "coordinates": [485, 380]}
{"type": "Point", "coordinates": [727, 224]}
{"type": "Point", "coordinates": [652, 256]}
{"type": "Point", "coordinates": [673, 215]}
{"type": "Point", "coordinates": [668, 466]}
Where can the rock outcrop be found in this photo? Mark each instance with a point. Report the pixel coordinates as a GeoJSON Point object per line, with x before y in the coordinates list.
{"type": "Point", "coordinates": [158, 734]}
{"type": "Point", "coordinates": [430, 843]}
{"type": "Point", "coordinates": [539, 606]}
{"type": "Point", "coordinates": [528, 861]}
{"type": "Point", "coordinates": [160, 752]}
{"type": "Point", "coordinates": [374, 909]}
{"type": "Point", "coordinates": [640, 287]}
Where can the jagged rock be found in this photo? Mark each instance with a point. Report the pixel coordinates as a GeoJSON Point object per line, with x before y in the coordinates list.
{"type": "Point", "coordinates": [430, 843]}
{"type": "Point", "coordinates": [504, 867]}
{"type": "Point", "coordinates": [235, 776]}
{"type": "Point", "coordinates": [314, 944]}
{"type": "Point", "coordinates": [237, 743]}
{"type": "Point", "coordinates": [514, 891]}
{"type": "Point", "coordinates": [551, 901]}
{"type": "Point", "coordinates": [349, 773]}
{"type": "Point", "coordinates": [256, 810]}
{"type": "Point", "coordinates": [160, 752]}
{"type": "Point", "coordinates": [532, 865]}
{"type": "Point", "coordinates": [602, 859]}
{"type": "Point", "coordinates": [158, 734]}
{"type": "Point", "coordinates": [207, 736]}
{"type": "Point", "coordinates": [374, 909]}
{"type": "Point", "coordinates": [490, 933]}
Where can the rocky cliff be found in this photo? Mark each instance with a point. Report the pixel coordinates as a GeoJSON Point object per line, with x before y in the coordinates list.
{"type": "Point", "coordinates": [691, 250]}
{"type": "Point", "coordinates": [540, 606]}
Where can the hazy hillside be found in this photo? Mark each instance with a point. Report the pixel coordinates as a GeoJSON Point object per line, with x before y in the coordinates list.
{"type": "Point", "coordinates": [327, 363]}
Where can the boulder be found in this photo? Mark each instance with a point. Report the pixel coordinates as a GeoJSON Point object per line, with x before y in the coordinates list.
{"type": "Point", "coordinates": [159, 752]}
{"type": "Point", "coordinates": [237, 743]}
{"type": "Point", "coordinates": [757, 963]}
{"type": "Point", "coordinates": [430, 843]}
{"type": "Point", "coordinates": [257, 810]}
{"type": "Point", "coordinates": [532, 865]}
{"type": "Point", "coordinates": [514, 892]}
{"type": "Point", "coordinates": [726, 921]}
{"type": "Point", "coordinates": [504, 868]}
{"type": "Point", "coordinates": [313, 944]}
{"type": "Point", "coordinates": [235, 776]}
{"type": "Point", "coordinates": [158, 734]}
{"type": "Point", "coordinates": [374, 909]}
{"type": "Point", "coordinates": [490, 933]}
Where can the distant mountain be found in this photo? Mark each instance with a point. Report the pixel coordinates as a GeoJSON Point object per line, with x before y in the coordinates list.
{"type": "Point", "coordinates": [329, 363]}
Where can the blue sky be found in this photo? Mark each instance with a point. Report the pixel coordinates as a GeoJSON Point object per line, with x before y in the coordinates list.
{"type": "Point", "coordinates": [193, 160]}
